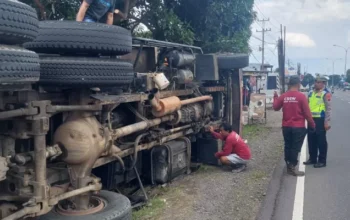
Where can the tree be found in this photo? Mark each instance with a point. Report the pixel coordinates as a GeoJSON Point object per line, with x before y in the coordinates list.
{"type": "Point", "coordinates": [55, 9]}
{"type": "Point", "coordinates": [216, 26]}
{"type": "Point", "coordinates": [220, 25]}
{"type": "Point", "coordinates": [335, 79]}
{"type": "Point", "coordinates": [308, 80]}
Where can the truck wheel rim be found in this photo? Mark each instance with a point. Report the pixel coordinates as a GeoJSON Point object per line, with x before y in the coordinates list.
{"type": "Point", "coordinates": [96, 205]}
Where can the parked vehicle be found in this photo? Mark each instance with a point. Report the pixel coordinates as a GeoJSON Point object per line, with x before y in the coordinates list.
{"type": "Point", "coordinates": [97, 110]}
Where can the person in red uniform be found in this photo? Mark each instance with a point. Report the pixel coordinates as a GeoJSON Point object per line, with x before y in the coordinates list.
{"type": "Point", "coordinates": [295, 111]}
{"type": "Point", "coordinates": [236, 152]}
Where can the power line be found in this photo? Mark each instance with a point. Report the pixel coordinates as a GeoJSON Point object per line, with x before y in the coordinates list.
{"type": "Point", "coordinates": [254, 57]}
{"type": "Point", "coordinates": [272, 52]}
{"type": "Point", "coordinates": [261, 40]}
{"type": "Point", "coordinates": [265, 16]}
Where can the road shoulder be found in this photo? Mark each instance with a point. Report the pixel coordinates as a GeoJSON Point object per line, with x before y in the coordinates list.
{"type": "Point", "coordinates": [213, 193]}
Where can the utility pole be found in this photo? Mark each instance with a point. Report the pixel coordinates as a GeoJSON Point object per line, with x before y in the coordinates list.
{"type": "Point", "coordinates": [282, 58]}
{"type": "Point", "coordinates": [333, 61]}
{"type": "Point", "coordinates": [263, 30]}
{"type": "Point", "coordinates": [346, 56]}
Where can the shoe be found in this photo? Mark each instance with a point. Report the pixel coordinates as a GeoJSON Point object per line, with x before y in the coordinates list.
{"type": "Point", "coordinates": [309, 162]}
{"type": "Point", "coordinates": [291, 170]}
{"type": "Point", "coordinates": [239, 168]}
{"type": "Point", "coordinates": [320, 165]}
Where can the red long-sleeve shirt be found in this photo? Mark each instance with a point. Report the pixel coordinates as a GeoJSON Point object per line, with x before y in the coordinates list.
{"type": "Point", "coordinates": [234, 144]}
{"type": "Point", "coordinates": [295, 109]}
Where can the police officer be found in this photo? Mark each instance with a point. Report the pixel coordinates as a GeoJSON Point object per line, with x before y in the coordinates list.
{"type": "Point", "coordinates": [320, 106]}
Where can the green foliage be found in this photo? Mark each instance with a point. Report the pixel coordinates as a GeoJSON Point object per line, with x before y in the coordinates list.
{"type": "Point", "coordinates": [335, 79]}
{"type": "Point", "coordinates": [219, 26]}
{"type": "Point", "coordinates": [214, 25]}
{"type": "Point", "coordinates": [151, 210]}
{"type": "Point", "coordinates": [55, 9]}
{"type": "Point", "coordinates": [161, 21]}
{"type": "Point", "coordinates": [308, 80]}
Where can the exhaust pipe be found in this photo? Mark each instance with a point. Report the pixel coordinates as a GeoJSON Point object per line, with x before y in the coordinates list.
{"type": "Point", "coordinates": [162, 107]}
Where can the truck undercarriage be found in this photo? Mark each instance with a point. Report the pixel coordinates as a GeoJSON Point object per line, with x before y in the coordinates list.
{"type": "Point", "coordinates": [100, 116]}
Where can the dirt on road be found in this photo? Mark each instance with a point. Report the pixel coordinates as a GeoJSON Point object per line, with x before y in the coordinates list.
{"type": "Point", "coordinates": [213, 193]}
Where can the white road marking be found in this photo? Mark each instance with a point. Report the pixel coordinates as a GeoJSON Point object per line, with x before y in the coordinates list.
{"type": "Point", "coordinates": [298, 210]}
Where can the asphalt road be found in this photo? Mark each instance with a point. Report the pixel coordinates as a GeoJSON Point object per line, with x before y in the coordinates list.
{"type": "Point", "coordinates": [324, 194]}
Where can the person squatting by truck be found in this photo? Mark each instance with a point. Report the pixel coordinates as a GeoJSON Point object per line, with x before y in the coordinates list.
{"type": "Point", "coordinates": [236, 152]}
{"type": "Point", "coordinates": [295, 111]}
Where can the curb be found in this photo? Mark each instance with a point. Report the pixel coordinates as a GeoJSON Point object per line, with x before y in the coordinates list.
{"type": "Point", "coordinates": [267, 207]}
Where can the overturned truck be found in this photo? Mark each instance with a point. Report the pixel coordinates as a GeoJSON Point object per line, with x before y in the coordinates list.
{"type": "Point", "coordinates": [86, 108]}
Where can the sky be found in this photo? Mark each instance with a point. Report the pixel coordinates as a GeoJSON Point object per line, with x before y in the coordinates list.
{"type": "Point", "coordinates": [313, 27]}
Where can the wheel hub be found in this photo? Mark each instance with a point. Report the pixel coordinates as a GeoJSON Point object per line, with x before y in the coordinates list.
{"type": "Point", "coordinates": [67, 207]}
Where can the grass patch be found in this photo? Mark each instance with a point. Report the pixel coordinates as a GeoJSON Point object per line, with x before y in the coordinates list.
{"type": "Point", "coordinates": [150, 211]}
{"type": "Point", "coordinates": [252, 130]}
{"type": "Point", "coordinates": [206, 168]}
{"type": "Point", "coordinates": [257, 175]}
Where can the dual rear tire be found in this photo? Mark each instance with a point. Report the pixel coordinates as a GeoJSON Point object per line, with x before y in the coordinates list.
{"type": "Point", "coordinates": [77, 46]}
{"type": "Point", "coordinates": [19, 25]}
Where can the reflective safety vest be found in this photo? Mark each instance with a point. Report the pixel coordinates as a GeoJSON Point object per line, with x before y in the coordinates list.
{"type": "Point", "coordinates": [316, 104]}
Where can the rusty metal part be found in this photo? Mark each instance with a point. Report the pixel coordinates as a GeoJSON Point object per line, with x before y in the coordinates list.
{"type": "Point", "coordinates": [177, 129]}
{"type": "Point", "coordinates": [6, 209]}
{"type": "Point", "coordinates": [124, 131]}
{"type": "Point", "coordinates": [96, 203]}
{"type": "Point", "coordinates": [92, 187]}
{"type": "Point", "coordinates": [111, 99]}
{"type": "Point", "coordinates": [155, 102]}
{"type": "Point", "coordinates": [18, 113]}
{"type": "Point", "coordinates": [23, 212]}
{"type": "Point", "coordinates": [59, 189]}
{"type": "Point", "coordinates": [80, 138]}
{"type": "Point", "coordinates": [54, 97]}
{"type": "Point", "coordinates": [83, 140]}
{"type": "Point", "coordinates": [7, 146]}
{"type": "Point", "coordinates": [52, 152]}
{"type": "Point", "coordinates": [197, 99]}
{"type": "Point", "coordinates": [40, 166]}
{"type": "Point", "coordinates": [213, 89]}
{"type": "Point", "coordinates": [67, 108]}
{"type": "Point", "coordinates": [12, 198]}
{"type": "Point", "coordinates": [124, 153]}
{"type": "Point", "coordinates": [166, 106]}
{"type": "Point", "coordinates": [136, 150]}
{"type": "Point", "coordinates": [3, 168]}
{"type": "Point", "coordinates": [170, 105]}
{"type": "Point", "coordinates": [188, 147]}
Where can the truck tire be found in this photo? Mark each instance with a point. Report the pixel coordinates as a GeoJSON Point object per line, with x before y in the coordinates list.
{"type": "Point", "coordinates": [81, 71]}
{"type": "Point", "coordinates": [70, 37]}
{"type": "Point", "coordinates": [18, 22]}
{"type": "Point", "coordinates": [18, 66]}
{"type": "Point", "coordinates": [233, 61]}
{"type": "Point", "coordinates": [117, 207]}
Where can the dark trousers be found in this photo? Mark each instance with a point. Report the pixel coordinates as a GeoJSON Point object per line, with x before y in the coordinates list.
{"type": "Point", "coordinates": [317, 141]}
{"type": "Point", "coordinates": [293, 141]}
